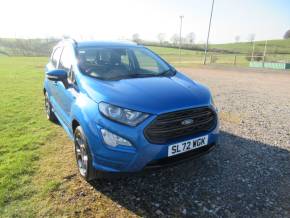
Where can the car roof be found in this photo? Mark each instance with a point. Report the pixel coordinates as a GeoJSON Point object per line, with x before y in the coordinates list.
{"type": "Point", "coordinates": [85, 44]}
{"type": "Point", "coordinates": [81, 44]}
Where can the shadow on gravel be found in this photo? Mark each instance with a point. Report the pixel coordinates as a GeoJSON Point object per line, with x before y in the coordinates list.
{"type": "Point", "coordinates": [241, 177]}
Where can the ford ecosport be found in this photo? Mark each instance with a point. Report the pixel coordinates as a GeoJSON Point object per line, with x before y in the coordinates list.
{"type": "Point", "coordinates": [125, 108]}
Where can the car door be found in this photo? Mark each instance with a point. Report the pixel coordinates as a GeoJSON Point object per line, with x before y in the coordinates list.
{"type": "Point", "coordinates": [67, 95]}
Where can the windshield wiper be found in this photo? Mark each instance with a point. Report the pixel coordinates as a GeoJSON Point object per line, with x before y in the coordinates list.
{"type": "Point", "coordinates": [169, 72]}
{"type": "Point", "coordinates": [142, 75]}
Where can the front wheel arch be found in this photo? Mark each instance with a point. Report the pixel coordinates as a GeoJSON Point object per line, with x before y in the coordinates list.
{"type": "Point", "coordinates": [74, 125]}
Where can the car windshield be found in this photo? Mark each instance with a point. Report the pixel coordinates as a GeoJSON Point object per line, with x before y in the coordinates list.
{"type": "Point", "coordinates": [118, 63]}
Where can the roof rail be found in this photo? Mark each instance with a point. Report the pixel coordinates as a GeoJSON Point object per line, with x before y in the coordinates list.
{"type": "Point", "coordinates": [128, 41]}
{"type": "Point", "coordinates": [70, 39]}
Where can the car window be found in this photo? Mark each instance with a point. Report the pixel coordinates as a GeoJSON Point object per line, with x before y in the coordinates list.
{"type": "Point", "coordinates": [66, 59]}
{"type": "Point", "coordinates": [104, 62]}
{"type": "Point", "coordinates": [125, 59]}
{"type": "Point", "coordinates": [146, 62]}
{"type": "Point", "coordinates": [110, 63]}
{"type": "Point", "coordinates": [55, 57]}
{"type": "Point", "coordinates": [66, 63]}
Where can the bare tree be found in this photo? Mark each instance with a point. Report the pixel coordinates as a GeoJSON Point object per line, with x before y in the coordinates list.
{"type": "Point", "coordinates": [161, 38]}
{"type": "Point", "coordinates": [174, 38]}
{"type": "Point", "coordinates": [237, 38]}
{"type": "Point", "coordinates": [251, 37]}
{"type": "Point", "coordinates": [190, 38]}
{"type": "Point", "coordinates": [136, 38]}
{"type": "Point", "coordinates": [287, 35]}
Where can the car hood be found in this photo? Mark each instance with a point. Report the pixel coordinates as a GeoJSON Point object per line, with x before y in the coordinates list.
{"type": "Point", "coordinates": [153, 95]}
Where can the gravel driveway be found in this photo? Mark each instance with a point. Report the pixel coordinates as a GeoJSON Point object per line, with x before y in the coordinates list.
{"type": "Point", "coordinates": [247, 175]}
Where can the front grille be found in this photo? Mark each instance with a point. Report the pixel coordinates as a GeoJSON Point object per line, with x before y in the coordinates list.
{"type": "Point", "coordinates": [169, 126]}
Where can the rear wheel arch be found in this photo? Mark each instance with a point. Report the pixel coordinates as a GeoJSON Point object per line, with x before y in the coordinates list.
{"type": "Point", "coordinates": [48, 108]}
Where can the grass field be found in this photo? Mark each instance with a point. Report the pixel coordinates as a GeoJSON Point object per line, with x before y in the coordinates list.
{"type": "Point", "coordinates": [24, 132]}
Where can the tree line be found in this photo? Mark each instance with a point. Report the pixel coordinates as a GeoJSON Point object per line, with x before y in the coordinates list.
{"type": "Point", "coordinates": [27, 47]}
{"type": "Point", "coordinates": [174, 39]}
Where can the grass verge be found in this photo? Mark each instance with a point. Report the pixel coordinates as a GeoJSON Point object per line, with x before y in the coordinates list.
{"type": "Point", "coordinates": [23, 130]}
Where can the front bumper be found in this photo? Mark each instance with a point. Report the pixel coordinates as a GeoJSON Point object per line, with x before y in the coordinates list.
{"type": "Point", "coordinates": [143, 154]}
{"type": "Point", "coordinates": [178, 159]}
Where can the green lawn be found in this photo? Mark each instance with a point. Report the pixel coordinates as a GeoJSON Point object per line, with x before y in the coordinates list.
{"type": "Point", "coordinates": [23, 130]}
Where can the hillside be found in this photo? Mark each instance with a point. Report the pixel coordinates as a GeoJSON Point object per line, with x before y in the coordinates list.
{"type": "Point", "coordinates": [281, 46]}
{"type": "Point", "coordinates": [273, 47]}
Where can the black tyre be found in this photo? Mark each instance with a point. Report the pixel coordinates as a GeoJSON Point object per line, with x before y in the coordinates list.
{"type": "Point", "coordinates": [83, 155]}
{"type": "Point", "coordinates": [48, 109]}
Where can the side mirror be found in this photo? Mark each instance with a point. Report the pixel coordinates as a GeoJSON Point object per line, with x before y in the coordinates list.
{"type": "Point", "coordinates": [57, 75]}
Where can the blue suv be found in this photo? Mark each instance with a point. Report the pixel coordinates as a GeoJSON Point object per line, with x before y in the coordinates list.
{"type": "Point", "coordinates": [125, 108]}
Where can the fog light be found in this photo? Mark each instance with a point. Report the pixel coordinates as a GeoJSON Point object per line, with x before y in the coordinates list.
{"type": "Point", "coordinates": [114, 140]}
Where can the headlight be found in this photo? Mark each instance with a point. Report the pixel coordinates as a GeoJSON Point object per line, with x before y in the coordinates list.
{"type": "Point", "coordinates": [122, 115]}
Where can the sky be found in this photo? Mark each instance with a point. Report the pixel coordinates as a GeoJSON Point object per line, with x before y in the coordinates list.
{"type": "Point", "coordinates": [120, 19]}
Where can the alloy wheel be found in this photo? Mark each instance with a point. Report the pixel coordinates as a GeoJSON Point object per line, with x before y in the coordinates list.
{"type": "Point", "coordinates": [81, 154]}
{"type": "Point", "coordinates": [47, 106]}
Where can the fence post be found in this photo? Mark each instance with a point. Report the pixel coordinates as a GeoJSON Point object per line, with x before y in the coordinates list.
{"type": "Point", "coordinates": [253, 51]}
{"type": "Point", "coordinates": [235, 60]}
{"type": "Point", "coordinates": [265, 51]}
{"type": "Point", "coordinates": [210, 61]}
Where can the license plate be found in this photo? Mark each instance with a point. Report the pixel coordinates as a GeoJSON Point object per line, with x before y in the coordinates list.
{"type": "Point", "coordinates": [185, 146]}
